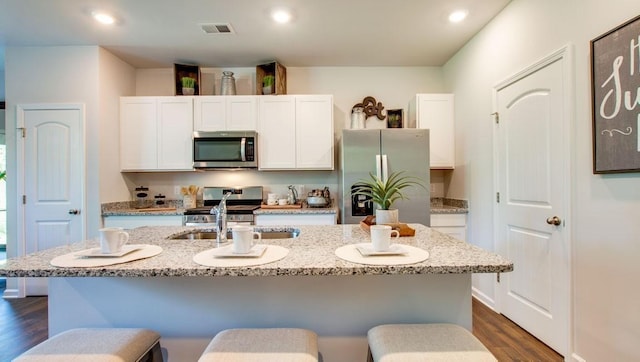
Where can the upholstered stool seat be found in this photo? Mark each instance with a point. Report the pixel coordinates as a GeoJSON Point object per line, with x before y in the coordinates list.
{"type": "Point", "coordinates": [262, 345]}
{"type": "Point", "coordinates": [97, 345]}
{"type": "Point", "coordinates": [425, 342]}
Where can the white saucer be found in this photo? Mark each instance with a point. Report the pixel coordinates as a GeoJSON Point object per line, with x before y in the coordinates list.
{"type": "Point", "coordinates": [97, 252]}
{"type": "Point", "coordinates": [366, 249]}
{"type": "Point", "coordinates": [227, 252]}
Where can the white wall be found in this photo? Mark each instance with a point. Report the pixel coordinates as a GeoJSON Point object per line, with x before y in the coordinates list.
{"type": "Point", "coordinates": [604, 208]}
{"type": "Point", "coordinates": [116, 78]}
{"type": "Point", "coordinates": [393, 86]}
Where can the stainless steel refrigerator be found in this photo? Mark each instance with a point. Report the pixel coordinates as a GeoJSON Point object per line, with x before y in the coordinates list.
{"type": "Point", "coordinates": [382, 151]}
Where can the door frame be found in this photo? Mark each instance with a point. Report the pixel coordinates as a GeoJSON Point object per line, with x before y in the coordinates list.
{"type": "Point", "coordinates": [565, 55]}
{"type": "Point", "coordinates": [20, 175]}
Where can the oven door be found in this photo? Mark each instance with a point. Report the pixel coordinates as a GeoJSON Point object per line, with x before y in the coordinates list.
{"type": "Point", "coordinates": [224, 150]}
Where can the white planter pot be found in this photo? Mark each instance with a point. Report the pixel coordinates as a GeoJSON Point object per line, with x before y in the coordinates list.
{"type": "Point", "coordinates": [267, 90]}
{"type": "Point", "coordinates": [386, 216]}
{"type": "Point", "coordinates": [188, 91]}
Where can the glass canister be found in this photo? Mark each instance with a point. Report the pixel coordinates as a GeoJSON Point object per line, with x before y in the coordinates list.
{"type": "Point", "coordinates": [228, 84]}
{"type": "Point", "coordinates": [358, 118]}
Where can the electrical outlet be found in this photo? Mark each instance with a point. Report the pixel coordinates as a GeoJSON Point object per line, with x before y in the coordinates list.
{"type": "Point", "coordinates": [176, 190]}
{"type": "Point", "coordinates": [301, 193]}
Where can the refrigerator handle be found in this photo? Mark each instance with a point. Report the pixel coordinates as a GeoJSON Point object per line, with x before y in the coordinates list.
{"type": "Point", "coordinates": [378, 169]}
{"type": "Point", "coordinates": [385, 168]}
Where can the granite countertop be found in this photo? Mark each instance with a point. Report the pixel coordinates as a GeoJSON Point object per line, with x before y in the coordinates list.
{"type": "Point", "coordinates": [125, 208]}
{"type": "Point", "coordinates": [440, 205]}
{"type": "Point", "coordinates": [312, 253]}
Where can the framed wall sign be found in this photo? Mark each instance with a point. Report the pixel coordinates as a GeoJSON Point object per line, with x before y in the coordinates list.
{"type": "Point", "coordinates": [615, 91]}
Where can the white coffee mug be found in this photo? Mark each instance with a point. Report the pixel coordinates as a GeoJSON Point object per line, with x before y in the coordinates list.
{"type": "Point", "coordinates": [283, 202]}
{"type": "Point", "coordinates": [381, 237]}
{"type": "Point", "coordinates": [112, 240]}
{"type": "Point", "coordinates": [243, 240]}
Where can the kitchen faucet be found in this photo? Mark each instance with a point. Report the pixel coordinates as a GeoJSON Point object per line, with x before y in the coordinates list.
{"type": "Point", "coordinates": [221, 219]}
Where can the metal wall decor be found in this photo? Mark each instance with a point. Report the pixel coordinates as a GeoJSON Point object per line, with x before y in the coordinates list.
{"type": "Point", "coordinates": [371, 107]}
{"type": "Point", "coordinates": [615, 90]}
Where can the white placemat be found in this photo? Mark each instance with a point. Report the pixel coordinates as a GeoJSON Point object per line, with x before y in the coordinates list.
{"type": "Point", "coordinates": [351, 253]}
{"type": "Point", "coordinates": [74, 260]}
{"type": "Point", "coordinates": [273, 253]}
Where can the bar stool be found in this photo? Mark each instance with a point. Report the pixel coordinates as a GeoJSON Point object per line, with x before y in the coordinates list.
{"type": "Point", "coordinates": [262, 345]}
{"type": "Point", "coordinates": [97, 345]}
{"type": "Point", "coordinates": [425, 342]}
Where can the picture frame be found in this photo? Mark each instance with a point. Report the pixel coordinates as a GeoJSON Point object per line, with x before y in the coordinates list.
{"type": "Point", "coordinates": [615, 94]}
{"type": "Point", "coordinates": [395, 118]}
{"type": "Point", "coordinates": [187, 71]}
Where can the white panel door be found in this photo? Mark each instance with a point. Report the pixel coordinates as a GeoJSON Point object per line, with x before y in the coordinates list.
{"type": "Point", "coordinates": [175, 133]}
{"type": "Point", "coordinates": [242, 113]}
{"type": "Point", "coordinates": [52, 163]}
{"type": "Point", "coordinates": [314, 132]}
{"type": "Point", "coordinates": [138, 133]}
{"type": "Point", "coordinates": [532, 172]}
{"type": "Point", "coordinates": [277, 133]}
{"type": "Point", "coordinates": [209, 113]}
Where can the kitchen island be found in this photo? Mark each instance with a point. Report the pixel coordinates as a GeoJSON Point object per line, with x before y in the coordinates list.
{"type": "Point", "coordinates": [188, 303]}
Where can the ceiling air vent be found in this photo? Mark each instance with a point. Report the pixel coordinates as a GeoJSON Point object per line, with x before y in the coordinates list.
{"type": "Point", "coordinates": [219, 28]}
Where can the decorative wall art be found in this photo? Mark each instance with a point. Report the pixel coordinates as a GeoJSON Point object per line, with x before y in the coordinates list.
{"type": "Point", "coordinates": [615, 90]}
{"type": "Point", "coordinates": [187, 78]}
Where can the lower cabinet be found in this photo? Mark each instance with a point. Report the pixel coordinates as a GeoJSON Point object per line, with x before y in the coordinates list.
{"type": "Point", "coordinates": [454, 225]}
{"type": "Point", "coordinates": [299, 219]}
{"type": "Point", "coordinates": [132, 222]}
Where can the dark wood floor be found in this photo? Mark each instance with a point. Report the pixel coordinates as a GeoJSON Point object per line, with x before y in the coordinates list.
{"type": "Point", "coordinates": [24, 324]}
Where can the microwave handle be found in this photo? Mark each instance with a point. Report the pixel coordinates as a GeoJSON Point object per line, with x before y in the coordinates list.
{"type": "Point", "coordinates": [243, 146]}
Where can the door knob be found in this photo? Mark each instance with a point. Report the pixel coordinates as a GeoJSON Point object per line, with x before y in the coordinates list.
{"type": "Point", "coordinates": [74, 212]}
{"type": "Point", "coordinates": [554, 220]}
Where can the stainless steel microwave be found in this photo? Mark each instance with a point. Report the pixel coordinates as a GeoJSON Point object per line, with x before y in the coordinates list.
{"type": "Point", "coordinates": [225, 149]}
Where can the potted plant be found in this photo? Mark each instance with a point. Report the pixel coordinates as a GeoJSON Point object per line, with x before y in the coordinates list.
{"type": "Point", "coordinates": [385, 193]}
{"type": "Point", "coordinates": [267, 84]}
{"type": "Point", "coordinates": [188, 86]}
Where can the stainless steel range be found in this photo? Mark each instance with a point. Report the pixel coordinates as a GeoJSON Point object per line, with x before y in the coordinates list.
{"type": "Point", "coordinates": [240, 206]}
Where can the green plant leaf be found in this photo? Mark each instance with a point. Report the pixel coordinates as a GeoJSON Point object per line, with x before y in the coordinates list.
{"type": "Point", "coordinates": [384, 194]}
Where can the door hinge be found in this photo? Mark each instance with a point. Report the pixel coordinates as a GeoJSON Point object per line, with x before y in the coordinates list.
{"type": "Point", "coordinates": [496, 117]}
{"type": "Point", "coordinates": [23, 131]}
{"type": "Point", "coordinates": [24, 199]}
{"type": "Point", "coordinates": [498, 197]}
{"type": "Point", "coordinates": [498, 277]}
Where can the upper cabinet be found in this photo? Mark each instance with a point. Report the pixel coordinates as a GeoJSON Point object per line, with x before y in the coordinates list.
{"type": "Point", "coordinates": [436, 113]}
{"type": "Point", "coordinates": [296, 132]}
{"type": "Point", "coordinates": [156, 133]}
{"type": "Point", "coordinates": [225, 113]}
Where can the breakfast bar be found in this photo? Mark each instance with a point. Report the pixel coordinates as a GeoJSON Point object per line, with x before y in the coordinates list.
{"type": "Point", "coordinates": [310, 287]}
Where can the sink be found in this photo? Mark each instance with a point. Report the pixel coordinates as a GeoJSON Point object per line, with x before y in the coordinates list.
{"type": "Point", "coordinates": [211, 234]}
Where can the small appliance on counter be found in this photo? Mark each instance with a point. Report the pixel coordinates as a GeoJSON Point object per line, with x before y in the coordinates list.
{"type": "Point", "coordinates": [319, 198]}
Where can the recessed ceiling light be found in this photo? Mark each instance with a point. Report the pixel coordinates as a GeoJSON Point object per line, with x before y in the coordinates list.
{"type": "Point", "coordinates": [458, 15]}
{"type": "Point", "coordinates": [103, 18]}
{"type": "Point", "coordinates": [281, 16]}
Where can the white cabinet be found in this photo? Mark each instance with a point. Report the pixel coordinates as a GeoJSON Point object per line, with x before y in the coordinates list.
{"type": "Point", "coordinates": [454, 225]}
{"type": "Point", "coordinates": [296, 132]}
{"type": "Point", "coordinates": [156, 133]}
{"type": "Point", "coordinates": [225, 113]}
{"type": "Point", "coordinates": [132, 222]}
{"type": "Point", "coordinates": [436, 113]}
{"type": "Point", "coordinates": [296, 219]}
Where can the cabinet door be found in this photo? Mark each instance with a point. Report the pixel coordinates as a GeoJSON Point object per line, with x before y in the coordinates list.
{"type": "Point", "coordinates": [276, 133]}
{"type": "Point", "coordinates": [210, 113]}
{"type": "Point", "coordinates": [242, 113]}
{"type": "Point", "coordinates": [175, 133]}
{"type": "Point", "coordinates": [314, 132]}
{"type": "Point", "coordinates": [435, 112]}
{"type": "Point", "coordinates": [138, 129]}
